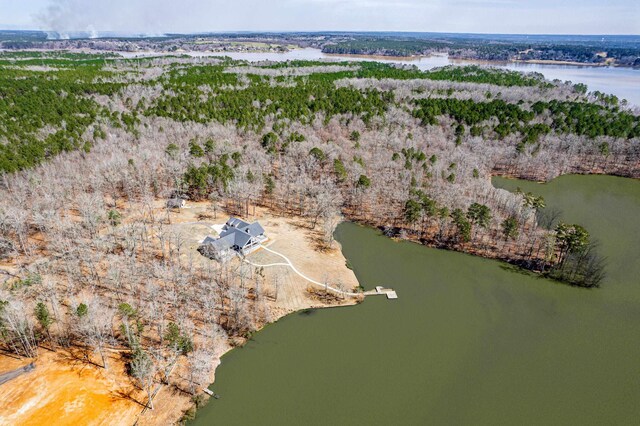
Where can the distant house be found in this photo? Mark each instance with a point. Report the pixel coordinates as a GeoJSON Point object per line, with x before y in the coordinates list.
{"type": "Point", "coordinates": [177, 199]}
{"type": "Point", "coordinates": [176, 203]}
{"type": "Point", "coordinates": [237, 237]}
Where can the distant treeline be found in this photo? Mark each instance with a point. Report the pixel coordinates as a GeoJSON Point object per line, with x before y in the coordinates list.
{"type": "Point", "coordinates": [618, 50]}
{"type": "Point", "coordinates": [627, 54]}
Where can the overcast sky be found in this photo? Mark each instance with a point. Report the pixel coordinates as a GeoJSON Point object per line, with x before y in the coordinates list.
{"type": "Point", "coordinates": [490, 16]}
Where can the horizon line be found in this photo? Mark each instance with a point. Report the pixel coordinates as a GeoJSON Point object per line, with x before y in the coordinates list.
{"type": "Point", "coordinates": [214, 32]}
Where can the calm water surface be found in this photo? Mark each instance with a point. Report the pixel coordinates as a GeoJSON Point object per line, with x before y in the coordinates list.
{"type": "Point", "coordinates": [622, 82]}
{"type": "Point", "coordinates": [469, 341]}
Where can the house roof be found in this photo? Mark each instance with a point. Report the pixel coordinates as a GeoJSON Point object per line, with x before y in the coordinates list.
{"type": "Point", "coordinates": [240, 237]}
{"type": "Point", "coordinates": [234, 222]}
{"type": "Point", "coordinates": [255, 229]}
{"type": "Point", "coordinates": [236, 232]}
{"type": "Point", "coordinates": [222, 243]}
{"type": "Point", "coordinates": [208, 240]}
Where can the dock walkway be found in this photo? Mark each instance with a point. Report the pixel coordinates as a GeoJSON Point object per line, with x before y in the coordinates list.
{"type": "Point", "coordinates": [378, 291]}
{"type": "Point", "coordinates": [381, 291]}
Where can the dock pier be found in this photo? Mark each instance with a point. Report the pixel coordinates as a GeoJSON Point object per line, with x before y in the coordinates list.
{"type": "Point", "coordinates": [380, 291]}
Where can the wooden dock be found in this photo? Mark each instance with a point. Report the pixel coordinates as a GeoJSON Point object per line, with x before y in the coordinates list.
{"type": "Point", "coordinates": [381, 291]}
{"type": "Point", "coordinates": [211, 393]}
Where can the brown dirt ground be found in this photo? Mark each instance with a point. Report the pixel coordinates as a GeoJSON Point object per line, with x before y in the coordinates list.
{"type": "Point", "coordinates": [67, 391]}
{"type": "Point", "coordinates": [290, 236]}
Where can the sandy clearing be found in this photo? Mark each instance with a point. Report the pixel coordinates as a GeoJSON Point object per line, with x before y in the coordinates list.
{"type": "Point", "coordinates": [66, 391]}
{"type": "Point", "coordinates": [289, 236]}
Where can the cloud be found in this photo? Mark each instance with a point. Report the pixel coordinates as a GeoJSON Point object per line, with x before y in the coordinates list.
{"type": "Point", "coordinates": [188, 16]}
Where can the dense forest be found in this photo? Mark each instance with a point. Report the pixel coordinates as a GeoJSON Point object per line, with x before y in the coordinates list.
{"type": "Point", "coordinates": [91, 143]}
{"type": "Point", "coordinates": [338, 113]}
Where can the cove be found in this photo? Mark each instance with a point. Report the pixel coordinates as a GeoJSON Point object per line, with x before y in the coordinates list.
{"type": "Point", "coordinates": [469, 341]}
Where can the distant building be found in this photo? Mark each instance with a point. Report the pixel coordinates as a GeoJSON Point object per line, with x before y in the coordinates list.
{"type": "Point", "coordinates": [237, 237]}
{"type": "Point", "coordinates": [176, 203]}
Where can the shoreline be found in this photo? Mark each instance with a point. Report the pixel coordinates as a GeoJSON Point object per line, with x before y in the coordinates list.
{"type": "Point", "coordinates": [57, 371]}
{"type": "Point", "coordinates": [127, 414]}
{"type": "Point", "coordinates": [182, 414]}
{"type": "Point", "coordinates": [381, 57]}
{"type": "Point", "coordinates": [182, 403]}
{"type": "Point", "coordinates": [125, 54]}
{"type": "Point", "coordinates": [570, 63]}
{"type": "Point", "coordinates": [185, 229]}
{"type": "Point", "coordinates": [417, 58]}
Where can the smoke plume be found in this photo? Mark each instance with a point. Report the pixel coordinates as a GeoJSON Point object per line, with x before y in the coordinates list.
{"type": "Point", "coordinates": [64, 19]}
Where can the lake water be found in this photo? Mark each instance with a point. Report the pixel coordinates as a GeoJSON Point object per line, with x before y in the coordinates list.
{"type": "Point", "coordinates": [469, 341]}
{"type": "Point", "coordinates": [622, 82]}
